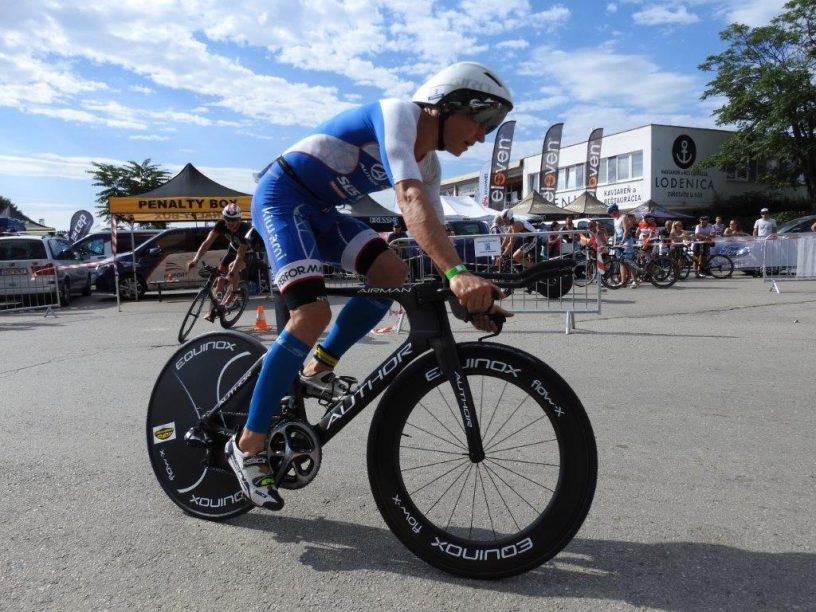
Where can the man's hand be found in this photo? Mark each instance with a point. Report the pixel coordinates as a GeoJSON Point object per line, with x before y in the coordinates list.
{"type": "Point", "coordinates": [190, 264]}
{"type": "Point", "coordinates": [477, 295]}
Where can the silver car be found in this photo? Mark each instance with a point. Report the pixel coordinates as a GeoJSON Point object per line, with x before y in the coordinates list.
{"type": "Point", "coordinates": [32, 268]}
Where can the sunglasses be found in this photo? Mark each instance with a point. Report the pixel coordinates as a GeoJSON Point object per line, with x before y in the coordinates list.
{"type": "Point", "coordinates": [489, 115]}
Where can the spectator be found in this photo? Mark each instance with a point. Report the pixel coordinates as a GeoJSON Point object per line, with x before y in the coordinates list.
{"type": "Point", "coordinates": [677, 234]}
{"type": "Point", "coordinates": [553, 240]}
{"type": "Point", "coordinates": [629, 228]}
{"type": "Point", "coordinates": [734, 229]}
{"type": "Point", "coordinates": [647, 231]}
{"type": "Point", "coordinates": [764, 226]}
{"type": "Point", "coordinates": [703, 239]}
{"type": "Point", "coordinates": [718, 226]}
{"type": "Point", "coordinates": [568, 227]}
{"type": "Point", "coordinates": [665, 231]}
{"type": "Point", "coordinates": [397, 233]}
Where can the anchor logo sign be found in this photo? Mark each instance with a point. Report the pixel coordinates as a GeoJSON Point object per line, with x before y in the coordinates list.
{"type": "Point", "coordinates": [684, 151]}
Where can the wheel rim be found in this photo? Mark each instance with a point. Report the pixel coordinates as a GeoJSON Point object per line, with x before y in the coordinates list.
{"type": "Point", "coordinates": [498, 497]}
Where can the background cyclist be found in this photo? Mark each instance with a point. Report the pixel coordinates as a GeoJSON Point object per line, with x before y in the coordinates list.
{"type": "Point", "coordinates": [235, 231]}
{"type": "Point", "coordinates": [522, 250]}
{"type": "Point", "coordinates": [370, 148]}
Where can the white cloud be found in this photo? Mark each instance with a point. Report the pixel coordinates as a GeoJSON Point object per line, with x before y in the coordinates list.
{"type": "Point", "coordinates": [664, 15]}
{"type": "Point", "coordinates": [142, 90]}
{"type": "Point", "coordinates": [600, 75]}
{"type": "Point", "coordinates": [150, 137]}
{"type": "Point", "coordinates": [752, 13]}
{"type": "Point", "coordinates": [50, 165]}
{"type": "Point", "coordinates": [611, 8]}
{"type": "Point", "coordinates": [517, 43]}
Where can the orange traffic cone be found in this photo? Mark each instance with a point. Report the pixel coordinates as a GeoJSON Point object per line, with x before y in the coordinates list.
{"type": "Point", "coordinates": [260, 320]}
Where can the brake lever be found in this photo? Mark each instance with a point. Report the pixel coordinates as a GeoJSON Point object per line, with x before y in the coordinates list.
{"type": "Point", "coordinates": [498, 318]}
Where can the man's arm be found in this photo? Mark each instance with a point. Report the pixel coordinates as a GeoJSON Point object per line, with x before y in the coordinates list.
{"type": "Point", "coordinates": [205, 246]}
{"type": "Point", "coordinates": [475, 293]}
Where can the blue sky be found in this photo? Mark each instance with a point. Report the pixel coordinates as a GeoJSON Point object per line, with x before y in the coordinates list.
{"type": "Point", "coordinates": [229, 85]}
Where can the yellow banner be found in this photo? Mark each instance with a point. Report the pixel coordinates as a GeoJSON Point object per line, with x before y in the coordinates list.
{"type": "Point", "coordinates": [177, 208]}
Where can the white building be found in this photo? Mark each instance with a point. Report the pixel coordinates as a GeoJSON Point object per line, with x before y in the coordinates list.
{"type": "Point", "coordinates": [653, 162]}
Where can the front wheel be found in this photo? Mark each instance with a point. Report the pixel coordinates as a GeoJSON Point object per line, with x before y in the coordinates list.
{"type": "Point", "coordinates": [720, 266]}
{"type": "Point", "coordinates": [233, 312]}
{"type": "Point", "coordinates": [193, 312]}
{"type": "Point", "coordinates": [508, 513]}
{"type": "Point", "coordinates": [662, 272]}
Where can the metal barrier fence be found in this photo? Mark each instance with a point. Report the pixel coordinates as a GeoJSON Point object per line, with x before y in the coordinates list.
{"type": "Point", "coordinates": [568, 296]}
{"type": "Point", "coordinates": [27, 286]}
{"type": "Point", "coordinates": [788, 257]}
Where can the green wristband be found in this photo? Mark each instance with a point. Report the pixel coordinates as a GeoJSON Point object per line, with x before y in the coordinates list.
{"type": "Point", "coordinates": [458, 269]}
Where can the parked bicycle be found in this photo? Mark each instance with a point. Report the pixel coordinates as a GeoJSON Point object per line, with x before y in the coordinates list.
{"type": "Point", "coordinates": [717, 265]}
{"type": "Point", "coordinates": [481, 458]}
{"type": "Point", "coordinates": [659, 270]}
{"type": "Point", "coordinates": [228, 309]}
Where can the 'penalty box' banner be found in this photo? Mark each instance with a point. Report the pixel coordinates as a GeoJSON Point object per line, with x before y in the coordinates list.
{"type": "Point", "coordinates": [176, 208]}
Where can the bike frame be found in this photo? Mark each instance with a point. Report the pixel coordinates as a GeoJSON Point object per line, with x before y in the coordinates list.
{"type": "Point", "coordinates": [430, 329]}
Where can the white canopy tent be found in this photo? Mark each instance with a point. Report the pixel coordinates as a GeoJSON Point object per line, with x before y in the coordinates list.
{"type": "Point", "coordinates": [454, 207]}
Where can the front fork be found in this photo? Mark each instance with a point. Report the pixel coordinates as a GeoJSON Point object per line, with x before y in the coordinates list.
{"type": "Point", "coordinates": [448, 358]}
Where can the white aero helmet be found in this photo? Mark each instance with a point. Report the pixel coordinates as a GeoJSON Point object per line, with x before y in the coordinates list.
{"type": "Point", "coordinates": [507, 214]}
{"type": "Point", "coordinates": [469, 88]}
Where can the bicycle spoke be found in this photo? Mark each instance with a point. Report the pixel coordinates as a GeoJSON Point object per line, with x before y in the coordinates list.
{"type": "Point", "coordinates": [487, 503]}
{"type": "Point", "coordinates": [519, 495]}
{"type": "Point", "coordinates": [501, 497]}
{"type": "Point", "coordinates": [520, 475]}
{"type": "Point", "coordinates": [509, 448]}
{"type": "Point", "coordinates": [495, 410]}
{"type": "Point", "coordinates": [432, 464]}
{"type": "Point", "coordinates": [473, 501]}
{"type": "Point", "coordinates": [512, 414]}
{"type": "Point", "coordinates": [433, 450]}
{"type": "Point", "coordinates": [450, 410]}
{"type": "Point", "coordinates": [458, 497]}
{"type": "Point", "coordinates": [452, 413]}
{"type": "Point", "coordinates": [455, 480]}
{"type": "Point", "coordinates": [436, 479]}
{"type": "Point", "coordinates": [433, 435]}
{"type": "Point", "coordinates": [499, 459]}
{"type": "Point", "coordinates": [489, 446]}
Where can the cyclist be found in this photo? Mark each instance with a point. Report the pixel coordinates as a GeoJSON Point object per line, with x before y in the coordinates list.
{"type": "Point", "coordinates": [388, 143]}
{"type": "Point", "coordinates": [235, 231]}
{"type": "Point", "coordinates": [624, 238]}
{"type": "Point", "coordinates": [521, 250]}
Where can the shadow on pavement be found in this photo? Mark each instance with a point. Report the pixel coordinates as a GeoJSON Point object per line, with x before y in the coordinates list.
{"type": "Point", "coordinates": [665, 575]}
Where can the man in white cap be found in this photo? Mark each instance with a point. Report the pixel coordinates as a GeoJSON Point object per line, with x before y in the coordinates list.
{"type": "Point", "coordinates": [764, 226]}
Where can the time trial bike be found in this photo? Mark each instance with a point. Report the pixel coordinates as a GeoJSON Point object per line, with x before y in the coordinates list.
{"type": "Point", "coordinates": [228, 312]}
{"type": "Point", "coordinates": [481, 458]}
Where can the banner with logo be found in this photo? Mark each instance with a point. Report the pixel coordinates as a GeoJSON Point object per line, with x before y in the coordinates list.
{"type": "Point", "coordinates": [500, 165]}
{"type": "Point", "coordinates": [593, 159]}
{"type": "Point", "coordinates": [483, 187]}
{"type": "Point", "coordinates": [550, 154]}
{"type": "Point", "coordinates": [81, 223]}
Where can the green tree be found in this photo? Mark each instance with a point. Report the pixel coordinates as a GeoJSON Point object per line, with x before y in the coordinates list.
{"type": "Point", "coordinates": [10, 209]}
{"type": "Point", "coordinates": [127, 180]}
{"type": "Point", "coordinates": [767, 76]}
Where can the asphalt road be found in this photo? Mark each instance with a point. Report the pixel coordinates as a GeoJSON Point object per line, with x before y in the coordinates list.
{"type": "Point", "coordinates": [701, 397]}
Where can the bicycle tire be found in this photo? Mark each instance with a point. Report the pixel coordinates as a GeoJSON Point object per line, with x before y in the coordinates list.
{"type": "Point", "coordinates": [230, 316]}
{"type": "Point", "coordinates": [683, 268]}
{"type": "Point", "coordinates": [585, 269]}
{"type": "Point", "coordinates": [193, 312]}
{"type": "Point", "coordinates": [405, 433]}
{"type": "Point", "coordinates": [720, 266]}
{"type": "Point", "coordinates": [662, 272]}
{"type": "Point", "coordinates": [198, 480]}
{"type": "Point", "coordinates": [611, 279]}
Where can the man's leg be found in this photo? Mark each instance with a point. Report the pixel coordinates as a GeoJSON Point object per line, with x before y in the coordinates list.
{"type": "Point", "coordinates": [359, 315]}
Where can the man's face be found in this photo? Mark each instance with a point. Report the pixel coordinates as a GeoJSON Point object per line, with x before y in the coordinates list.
{"type": "Point", "coordinates": [461, 133]}
{"type": "Point", "coordinates": [704, 221]}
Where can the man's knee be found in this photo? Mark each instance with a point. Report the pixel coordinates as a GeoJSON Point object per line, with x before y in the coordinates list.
{"type": "Point", "coordinates": [308, 321]}
{"type": "Point", "coordinates": [388, 270]}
